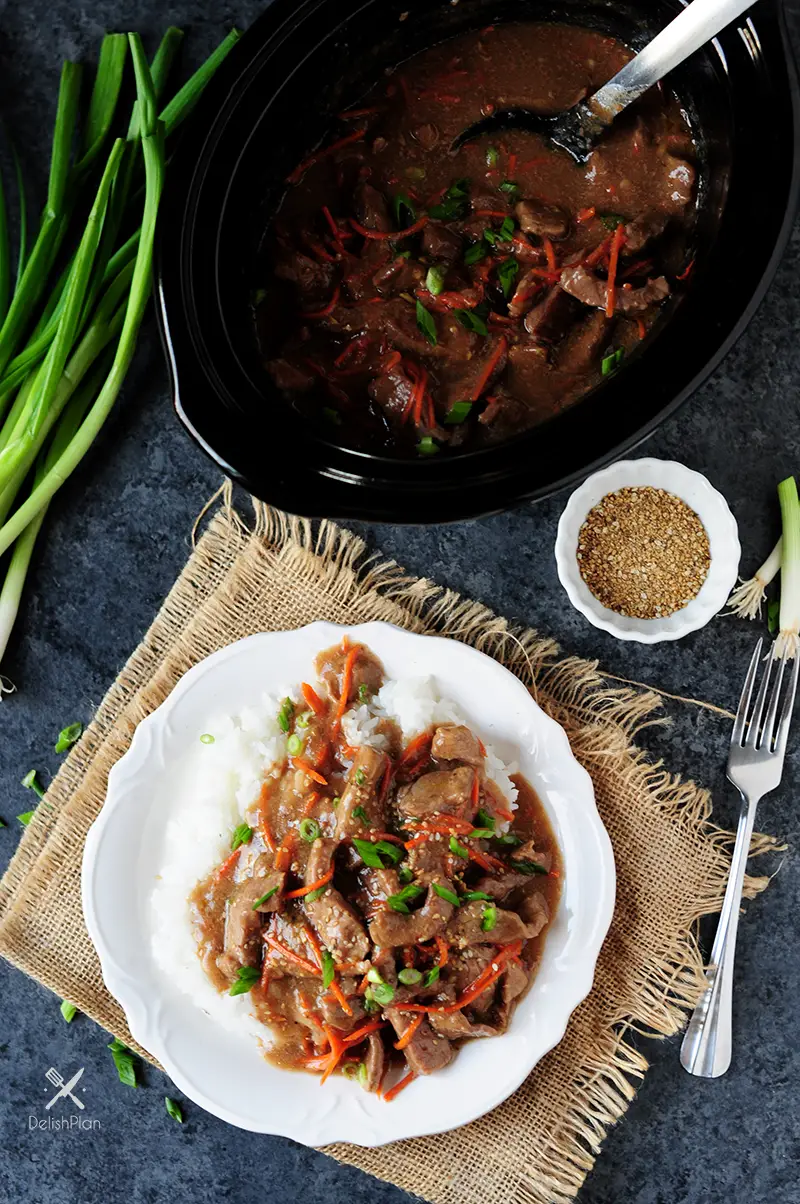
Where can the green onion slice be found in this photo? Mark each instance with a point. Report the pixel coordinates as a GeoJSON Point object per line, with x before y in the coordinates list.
{"type": "Point", "coordinates": [68, 736]}
{"type": "Point", "coordinates": [489, 918]}
{"type": "Point", "coordinates": [458, 849]}
{"type": "Point", "coordinates": [328, 969]}
{"type": "Point", "coordinates": [310, 830]}
{"type": "Point", "coordinates": [445, 893]}
{"type": "Point", "coordinates": [409, 977]}
{"type": "Point", "coordinates": [259, 902]}
{"type": "Point", "coordinates": [457, 413]}
{"type": "Point", "coordinates": [242, 834]}
{"type": "Point", "coordinates": [426, 323]}
{"type": "Point", "coordinates": [246, 979]}
{"type": "Point", "coordinates": [434, 281]}
{"type": "Point", "coordinates": [368, 853]}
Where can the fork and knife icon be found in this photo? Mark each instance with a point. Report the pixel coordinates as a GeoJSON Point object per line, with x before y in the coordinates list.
{"type": "Point", "coordinates": [64, 1089]}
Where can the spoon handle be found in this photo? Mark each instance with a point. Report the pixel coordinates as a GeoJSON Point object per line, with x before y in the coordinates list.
{"type": "Point", "coordinates": [699, 22]}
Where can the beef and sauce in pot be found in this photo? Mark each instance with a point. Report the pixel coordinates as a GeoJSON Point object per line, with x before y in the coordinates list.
{"type": "Point", "coordinates": [383, 905]}
{"type": "Point", "coordinates": [421, 300]}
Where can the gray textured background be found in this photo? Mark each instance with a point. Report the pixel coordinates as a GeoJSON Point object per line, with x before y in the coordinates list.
{"type": "Point", "coordinates": [114, 544]}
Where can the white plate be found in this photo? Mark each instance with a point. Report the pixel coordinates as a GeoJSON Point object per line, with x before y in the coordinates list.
{"type": "Point", "coordinates": [711, 508]}
{"type": "Point", "coordinates": [224, 1071]}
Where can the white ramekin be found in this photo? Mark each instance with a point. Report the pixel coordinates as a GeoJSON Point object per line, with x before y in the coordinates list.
{"type": "Point", "coordinates": [708, 504]}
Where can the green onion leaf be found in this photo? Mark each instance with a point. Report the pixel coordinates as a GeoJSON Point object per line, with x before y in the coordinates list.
{"type": "Point", "coordinates": [484, 819]}
{"type": "Point", "coordinates": [69, 736]}
{"type": "Point", "coordinates": [427, 446]}
{"type": "Point", "coordinates": [332, 415]}
{"type": "Point", "coordinates": [26, 817]}
{"type": "Point", "coordinates": [294, 745]}
{"type": "Point", "coordinates": [509, 186]}
{"type": "Point", "coordinates": [363, 692]}
{"type": "Point", "coordinates": [328, 969]}
{"type": "Point", "coordinates": [458, 849]}
{"type": "Point", "coordinates": [285, 715]}
{"type": "Point", "coordinates": [404, 212]}
{"type": "Point", "coordinates": [337, 798]}
{"type": "Point", "coordinates": [481, 834]}
{"type": "Point", "coordinates": [458, 412]}
{"type": "Point", "coordinates": [509, 839]}
{"type": "Point", "coordinates": [431, 976]}
{"type": "Point", "coordinates": [448, 895]}
{"type": "Point", "coordinates": [405, 874]}
{"type": "Point", "coordinates": [612, 220]}
{"type": "Point", "coordinates": [370, 1005]}
{"type": "Point", "coordinates": [392, 851]}
{"type": "Point", "coordinates": [383, 994]}
{"type": "Point", "coordinates": [360, 813]}
{"type": "Point", "coordinates": [426, 323]}
{"type": "Point", "coordinates": [360, 777]}
{"type": "Point", "coordinates": [399, 902]}
{"type": "Point", "coordinates": [489, 918]}
{"type": "Point", "coordinates": [173, 1109]}
{"type": "Point", "coordinates": [184, 101]}
{"type": "Point", "coordinates": [242, 834]}
{"type": "Point", "coordinates": [207, 738]}
{"type": "Point", "coordinates": [529, 867]}
{"type": "Point", "coordinates": [124, 1061]}
{"type": "Point", "coordinates": [506, 231]}
{"type": "Point", "coordinates": [507, 274]}
{"type": "Point", "coordinates": [409, 977]}
{"type": "Point", "coordinates": [3, 823]}
{"type": "Point", "coordinates": [472, 895]}
{"type": "Point", "coordinates": [434, 281]}
{"type": "Point", "coordinates": [246, 979]}
{"type": "Point", "coordinates": [31, 781]}
{"type": "Point", "coordinates": [310, 830]}
{"type": "Point", "coordinates": [474, 254]}
{"type": "Point", "coordinates": [453, 204]}
{"type": "Point", "coordinates": [368, 853]}
{"type": "Point", "coordinates": [471, 321]}
{"type": "Point", "coordinates": [374, 975]}
{"type": "Point", "coordinates": [274, 890]}
{"type": "Point", "coordinates": [303, 720]}
{"type": "Point", "coordinates": [612, 361]}
{"type": "Point", "coordinates": [68, 1010]}
{"type": "Point", "coordinates": [492, 156]}
{"type": "Point", "coordinates": [316, 894]}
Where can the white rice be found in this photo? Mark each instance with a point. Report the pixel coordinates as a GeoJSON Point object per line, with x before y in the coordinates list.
{"type": "Point", "coordinates": [219, 786]}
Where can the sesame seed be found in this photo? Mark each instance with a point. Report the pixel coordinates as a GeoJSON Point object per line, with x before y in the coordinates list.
{"type": "Point", "coordinates": [643, 552]}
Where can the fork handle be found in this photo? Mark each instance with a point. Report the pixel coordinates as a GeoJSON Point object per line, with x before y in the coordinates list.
{"type": "Point", "coordinates": [706, 1048]}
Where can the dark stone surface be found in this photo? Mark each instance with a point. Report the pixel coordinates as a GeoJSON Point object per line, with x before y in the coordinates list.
{"type": "Point", "coordinates": [114, 544]}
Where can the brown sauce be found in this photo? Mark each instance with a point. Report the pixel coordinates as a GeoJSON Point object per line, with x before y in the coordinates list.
{"type": "Point", "coordinates": [335, 925]}
{"type": "Point", "coordinates": [512, 260]}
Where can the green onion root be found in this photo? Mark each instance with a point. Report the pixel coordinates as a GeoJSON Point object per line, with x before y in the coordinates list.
{"type": "Point", "coordinates": [748, 597]}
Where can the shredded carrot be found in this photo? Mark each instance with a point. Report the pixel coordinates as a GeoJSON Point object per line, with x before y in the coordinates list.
{"type": "Point", "coordinates": [306, 890]}
{"type": "Point", "coordinates": [303, 167]}
{"type": "Point", "coordinates": [309, 771]}
{"type": "Point", "coordinates": [476, 789]}
{"type": "Point", "coordinates": [347, 681]}
{"type": "Point", "coordinates": [329, 308]}
{"type": "Point", "coordinates": [348, 114]}
{"type": "Point", "coordinates": [512, 164]}
{"type": "Point", "coordinates": [482, 747]}
{"type": "Point", "coordinates": [444, 953]}
{"type": "Point", "coordinates": [337, 1049]}
{"type": "Point", "coordinates": [586, 215]}
{"type": "Point", "coordinates": [502, 813]}
{"type": "Point", "coordinates": [313, 699]}
{"type": "Point", "coordinates": [336, 991]}
{"type": "Point", "coordinates": [360, 1033]}
{"type": "Point", "coordinates": [385, 781]}
{"type": "Point", "coordinates": [423, 836]}
{"type": "Point", "coordinates": [228, 864]}
{"type": "Point", "coordinates": [686, 273]}
{"type": "Point", "coordinates": [416, 747]}
{"type": "Point", "coordinates": [390, 836]}
{"type": "Point", "coordinates": [362, 986]}
{"type": "Point", "coordinates": [385, 234]}
{"type": "Point", "coordinates": [392, 360]}
{"type": "Point", "coordinates": [265, 976]}
{"type": "Point", "coordinates": [485, 979]}
{"type": "Point", "coordinates": [290, 954]}
{"type": "Point", "coordinates": [284, 854]}
{"type": "Point", "coordinates": [640, 326]}
{"type": "Point", "coordinates": [313, 799]}
{"type": "Point", "coordinates": [398, 1087]}
{"type": "Point", "coordinates": [313, 941]}
{"type": "Point", "coordinates": [489, 213]}
{"type": "Point", "coordinates": [408, 1035]}
{"type": "Point", "coordinates": [616, 244]}
{"type": "Point", "coordinates": [549, 251]}
{"type": "Point", "coordinates": [489, 863]}
{"type": "Point", "coordinates": [597, 254]}
{"type": "Point", "coordinates": [269, 839]}
{"type": "Point", "coordinates": [494, 360]}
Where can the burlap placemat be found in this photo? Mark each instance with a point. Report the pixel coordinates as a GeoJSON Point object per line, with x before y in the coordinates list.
{"type": "Point", "coordinates": [671, 861]}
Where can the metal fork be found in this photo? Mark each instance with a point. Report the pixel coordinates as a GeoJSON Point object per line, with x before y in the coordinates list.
{"type": "Point", "coordinates": [755, 766]}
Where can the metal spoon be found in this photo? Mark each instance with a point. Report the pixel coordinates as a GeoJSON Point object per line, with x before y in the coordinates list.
{"type": "Point", "coordinates": [579, 128]}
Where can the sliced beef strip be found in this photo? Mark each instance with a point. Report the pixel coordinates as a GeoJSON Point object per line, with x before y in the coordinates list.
{"type": "Point", "coordinates": [375, 1062]}
{"type": "Point", "coordinates": [584, 345]}
{"type": "Point", "coordinates": [398, 276]}
{"type": "Point", "coordinates": [367, 671]}
{"type": "Point", "coordinates": [643, 230]}
{"type": "Point", "coordinates": [500, 886]}
{"type": "Point", "coordinates": [454, 742]}
{"type": "Point", "coordinates": [293, 377]}
{"type": "Point", "coordinates": [392, 392]}
{"type": "Point", "coordinates": [428, 861]}
{"type": "Point", "coordinates": [504, 413]}
{"type": "Point", "coordinates": [426, 1051]}
{"type": "Point", "coordinates": [529, 852]}
{"type": "Point", "coordinates": [361, 790]}
{"type": "Point", "coordinates": [313, 281]}
{"type": "Point", "coordinates": [515, 983]}
{"type": "Point", "coordinates": [535, 913]}
{"type": "Point", "coordinates": [332, 1012]}
{"type": "Point", "coordinates": [466, 966]}
{"type": "Point", "coordinates": [389, 929]}
{"type": "Point", "coordinates": [441, 243]}
{"type": "Point", "coordinates": [550, 320]}
{"type": "Point", "coordinates": [444, 791]}
{"type": "Point", "coordinates": [455, 1025]}
{"type": "Point", "coordinates": [371, 208]}
{"type": "Point", "coordinates": [466, 926]}
{"type": "Point", "coordinates": [290, 933]}
{"type": "Point", "coordinates": [396, 321]}
{"type": "Point", "coordinates": [336, 921]}
{"type": "Point", "coordinates": [427, 135]}
{"type": "Point", "coordinates": [537, 217]}
{"type": "Point", "coordinates": [242, 941]}
{"type": "Point", "coordinates": [589, 289]}
{"type": "Point", "coordinates": [529, 286]}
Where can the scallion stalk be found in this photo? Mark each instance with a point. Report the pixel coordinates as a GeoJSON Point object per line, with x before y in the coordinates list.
{"type": "Point", "coordinates": [790, 570]}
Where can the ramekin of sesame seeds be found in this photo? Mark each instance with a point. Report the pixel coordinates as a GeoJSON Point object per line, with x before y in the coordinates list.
{"type": "Point", "coordinates": [647, 550]}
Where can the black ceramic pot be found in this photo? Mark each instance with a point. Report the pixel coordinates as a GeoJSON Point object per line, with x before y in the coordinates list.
{"type": "Point", "coordinates": [274, 99]}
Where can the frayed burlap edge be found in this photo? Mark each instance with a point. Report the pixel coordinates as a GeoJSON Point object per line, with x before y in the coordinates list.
{"type": "Point", "coordinates": [232, 562]}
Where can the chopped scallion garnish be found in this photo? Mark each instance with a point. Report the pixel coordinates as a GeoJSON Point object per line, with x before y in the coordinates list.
{"type": "Point", "coordinates": [434, 281]}
{"type": "Point", "coordinates": [458, 412]}
{"type": "Point", "coordinates": [68, 736]}
{"type": "Point", "coordinates": [360, 813]}
{"type": "Point", "coordinates": [294, 745]}
{"type": "Point", "coordinates": [472, 895]}
{"type": "Point", "coordinates": [124, 1061]}
{"type": "Point", "coordinates": [285, 715]}
{"type": "Point", "coordinates": [246, 979]}
{"type": "Point", "coordinates": [400, 901]}
{"type": "Point", "coordinates": [489, 919]}
{"type": "Point", "coordinates": [612, 361]}
{"type": "Point", "coordinates": [492, 156]}
{"type": "Point", "coordinates": [427, 446]}
{"type": "Point", "coordinates": [68, 1010]}
{"type": "Point", "coordinates": [368, 853]}
{"type": "Point", "coordinates": [328, 969]}
{"type": "Point", "coordinates": [431, 976]}
{"type": "Point", "coordinates": [360, 777]}
{"type": "Point", "coordinates": [409, 977]}
{"type": "Point", "coordinates": [264, 898]}
{"type": "Point", "coordinates": [426, 323]}
{"type": "Point", "coordinates": [474, 254]}
{"type": "Point", "coordinates": [31, 781]}
{"type": "Point", "coordinates": [507, 274]}
{"type": "Point", "coordinates": [173, 1109]}
{"type": "Point", "coordinates": [471, 321]}
{"type": "Point", "coordinates": [207, 738]}
{"type": "Point", "coordinates": [309, 830]}
{"type": "Point", "coordinates": [458, 849]}
{"type": "Point", "coordinates": [242, 834]}
{"type": "Point", "coordinates": [445, 893]}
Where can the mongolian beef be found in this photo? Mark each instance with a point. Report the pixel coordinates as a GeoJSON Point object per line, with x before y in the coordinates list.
{"type": "Point", "coordinates": [421, 300]}
{"type": "Point", "coordinates": [382, 905]}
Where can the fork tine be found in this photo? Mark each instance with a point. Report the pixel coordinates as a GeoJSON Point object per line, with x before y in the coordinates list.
{"type": "Point", "coordinates": [754, 727]}
{"type": "Point", "coordinates": [786, 713]}
{"type": "Point", "coordinates": [747, 691]}
{"type": "Point", "coordinates": [772, 709]}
